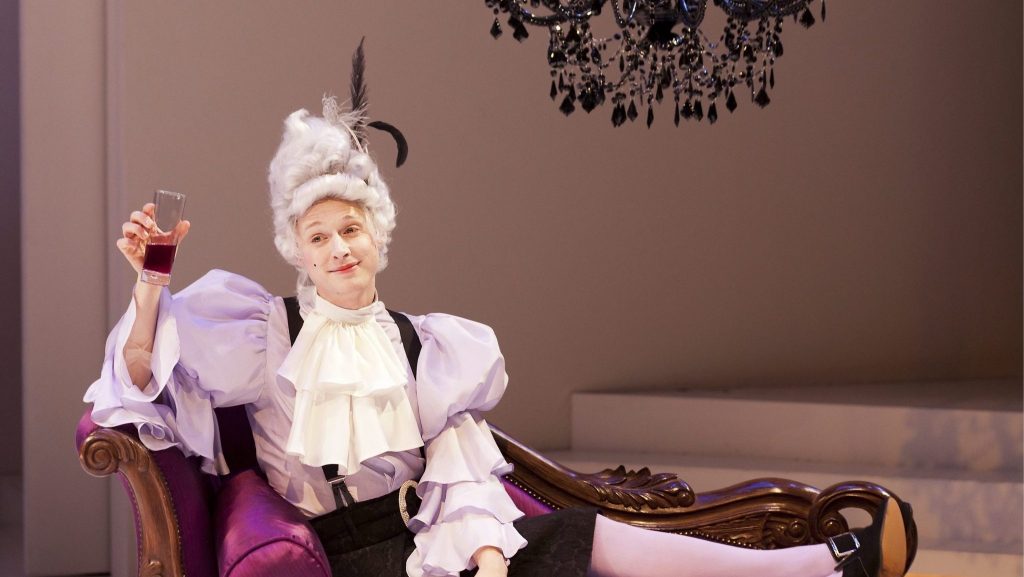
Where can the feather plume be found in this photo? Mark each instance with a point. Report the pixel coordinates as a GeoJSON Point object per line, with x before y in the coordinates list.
{"type": "Point", "coordinates": [403, 146]}
{"type": "Point", "coordinates": [359, 104]}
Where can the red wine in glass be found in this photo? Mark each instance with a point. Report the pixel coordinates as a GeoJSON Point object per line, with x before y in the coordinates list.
{"type": "Point", "coordinates": [156, 266]}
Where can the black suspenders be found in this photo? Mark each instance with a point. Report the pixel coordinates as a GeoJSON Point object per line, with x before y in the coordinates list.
{"type": "Point", "coordinates": [411, 344]}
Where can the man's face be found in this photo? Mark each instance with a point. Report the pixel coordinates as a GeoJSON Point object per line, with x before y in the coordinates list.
{"type": "Point", "coordinates": [339, 253]}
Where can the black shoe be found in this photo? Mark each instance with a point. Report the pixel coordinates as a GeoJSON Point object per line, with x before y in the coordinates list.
{"type": "Point", "coordinates": [879, 550]}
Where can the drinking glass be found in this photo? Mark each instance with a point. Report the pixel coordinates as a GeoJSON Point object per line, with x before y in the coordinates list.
{"type": "Point", "coordinates": [163, 242]}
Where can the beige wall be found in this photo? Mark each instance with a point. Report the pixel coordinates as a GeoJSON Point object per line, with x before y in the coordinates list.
{"type": "Point", "coordinates": [10, 242]}
{"type": "Point", "coordinates": [63, 280]}
{"type": "Point", "coordinates": [865, 227]}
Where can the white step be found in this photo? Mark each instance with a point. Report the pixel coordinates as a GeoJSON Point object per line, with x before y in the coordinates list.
{"type": "Point", "coordinates": [954, 450]}
{"type": "Point", "coordinates": [931, 562]}
{"type": "Point", "coordinates": [974, 426]}
{"type": "Point", "coordinates": [968, 523]}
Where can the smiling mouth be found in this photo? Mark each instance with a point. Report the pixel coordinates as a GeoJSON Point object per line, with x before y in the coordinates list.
{"type": "Point", "coordinates": [346, 268]}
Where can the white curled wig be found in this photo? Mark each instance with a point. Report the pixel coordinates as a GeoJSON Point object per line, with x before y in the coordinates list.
{"type": "Point", "coordinates": [321, 158]}
{"type": "Point", "coordinates": [318, 159]}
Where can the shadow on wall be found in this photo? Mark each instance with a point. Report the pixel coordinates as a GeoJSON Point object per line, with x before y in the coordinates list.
{"type": "Point", "coordinates": [10, 240]}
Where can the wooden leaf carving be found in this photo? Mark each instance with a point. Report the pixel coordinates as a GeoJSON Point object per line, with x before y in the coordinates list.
{"type": "Point", "coordinates": [762, 531]}
{"type": "Point", "coordinates": [638, 489]}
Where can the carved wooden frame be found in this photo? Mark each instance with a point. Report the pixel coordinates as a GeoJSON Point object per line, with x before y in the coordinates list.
{"type": "Point", "coordinates": [765, 513]}
{"type": "Point", "coordinates": [762, 513]}
{"type": "Point", "coordinates": [108, 451]}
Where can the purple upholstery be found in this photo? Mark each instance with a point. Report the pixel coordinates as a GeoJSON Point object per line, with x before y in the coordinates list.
{"type": "Point", "coordinates": [527, 504]}
{"type": "Point", "coordinates": [262, 534]}
{"type": "Point", "coordinates": [85, 428]}
{"type": "Point", "coordinates": [193, 499]}
{"type": "Point", "coordinates": [192, 495]}
{"type": "Point", "coordinates": [279, 559]}
{"type": "Point", "coordinates": [236, 439]}
{"type": "Point", "coordinates": [253, 531]}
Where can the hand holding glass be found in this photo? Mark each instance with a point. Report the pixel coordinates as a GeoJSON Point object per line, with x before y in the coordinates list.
{"type": "Point", "coordinates": [163, 241]}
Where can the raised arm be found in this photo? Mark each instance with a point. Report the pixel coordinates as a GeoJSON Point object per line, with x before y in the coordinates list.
{"type": "Point", "coordinates": [138, 349]}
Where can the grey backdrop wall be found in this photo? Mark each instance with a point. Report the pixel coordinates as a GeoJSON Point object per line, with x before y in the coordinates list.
{"type": "Point", "coordinates": [10, 241]}
{"type": "Point", "coordinates": [64, 282]}
{"type": "Point", "coordinates": [865, 227]}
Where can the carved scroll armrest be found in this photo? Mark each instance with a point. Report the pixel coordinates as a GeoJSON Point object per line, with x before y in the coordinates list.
{"type": "Point", "coordinates": [108, 451]}
{"type": "Point", "coordinates": [762, 513]}
{"type": "Point", "coordinates": [773, 513]}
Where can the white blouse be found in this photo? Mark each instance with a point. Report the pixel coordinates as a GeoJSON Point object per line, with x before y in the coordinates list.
{"type": "Point", "coordinates": [222, 341]}
{"type": "Point", "coordinates": [351, 400]}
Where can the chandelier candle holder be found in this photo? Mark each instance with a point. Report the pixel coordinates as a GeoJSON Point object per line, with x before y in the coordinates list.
{"type": "Point", "coordinates": [656, 49]}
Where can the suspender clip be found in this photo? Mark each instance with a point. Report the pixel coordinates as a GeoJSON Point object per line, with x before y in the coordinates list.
{"type": "Point", "coordinates": [342, 496]}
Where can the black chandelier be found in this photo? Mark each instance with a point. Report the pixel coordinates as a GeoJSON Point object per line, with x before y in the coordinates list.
{"type": "Point", "coordinates": [657, 50]}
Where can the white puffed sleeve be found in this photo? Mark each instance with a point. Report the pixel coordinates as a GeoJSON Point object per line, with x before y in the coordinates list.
{"type": "Point", "coordinates": [209, 351]}
{"type": "Point", "coordinates": [460, 373]}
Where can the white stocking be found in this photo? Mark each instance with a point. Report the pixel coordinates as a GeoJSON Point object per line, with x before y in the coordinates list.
{"type": "Point", "coordinates": [622, 550]}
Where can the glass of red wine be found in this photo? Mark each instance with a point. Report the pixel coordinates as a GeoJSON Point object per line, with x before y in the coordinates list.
{"type": "Point", "coordinates": [163, 243]}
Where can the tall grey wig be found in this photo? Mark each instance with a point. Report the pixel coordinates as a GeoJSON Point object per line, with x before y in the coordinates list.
{"type": "Point", "coordinates": [326, 157]}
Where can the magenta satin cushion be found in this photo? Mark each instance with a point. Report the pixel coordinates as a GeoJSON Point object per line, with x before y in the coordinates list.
{"type": "Point", "coordinates": [259, 533]}
{"type": "Point", "coordinates": [85, 427]}
{"type": "Point", "coordinates": [193, 499]}
{"type": "Point", "coordinates": [526, 503]}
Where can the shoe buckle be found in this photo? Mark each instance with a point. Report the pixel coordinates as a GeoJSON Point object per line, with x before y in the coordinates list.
{"type": "Point", "coordinates": [842, 547]}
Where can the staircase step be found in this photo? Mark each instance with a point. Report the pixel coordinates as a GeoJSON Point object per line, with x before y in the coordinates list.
{"type": "Point", "coordinates": [954, 511]}
{"type": "Point", "coordinates": [935, 563]}
{"type": "Point", "coordinates": [973, 426]}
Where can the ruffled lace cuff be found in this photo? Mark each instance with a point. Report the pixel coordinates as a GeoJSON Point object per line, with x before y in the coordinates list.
{"type": "Point", "coordinates": [464, 451]}
{"type": "Point", "coordinates": [162, 359]}
{"type": "Point", "coordinates": [464, 505]}
{"type": "Point", "coordinates": [448, 503]}
{"type": "Point", "coordinates": [117, 401]}
{"type": "Point", "coordinates": [447, 548]}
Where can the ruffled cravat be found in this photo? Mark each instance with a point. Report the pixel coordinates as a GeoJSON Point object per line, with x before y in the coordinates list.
{"type": "Point", "coordinates": [350, 397]}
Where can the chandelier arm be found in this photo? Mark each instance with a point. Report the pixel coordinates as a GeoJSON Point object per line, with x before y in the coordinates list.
{"type": "Point", "coordinates": [692, 18]}
{"type": "Point", "coordinates": [576, 15]}
{"type": "Point", "coordinates": [520, 13]}
{"type": "Point", "coordinates": [560, 14]}
{"type": "Point", "coordinates": [749, 10]}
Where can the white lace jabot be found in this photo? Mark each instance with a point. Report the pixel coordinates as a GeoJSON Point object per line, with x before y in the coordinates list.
{"type": "Point", "coordinates": [350, 397]}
